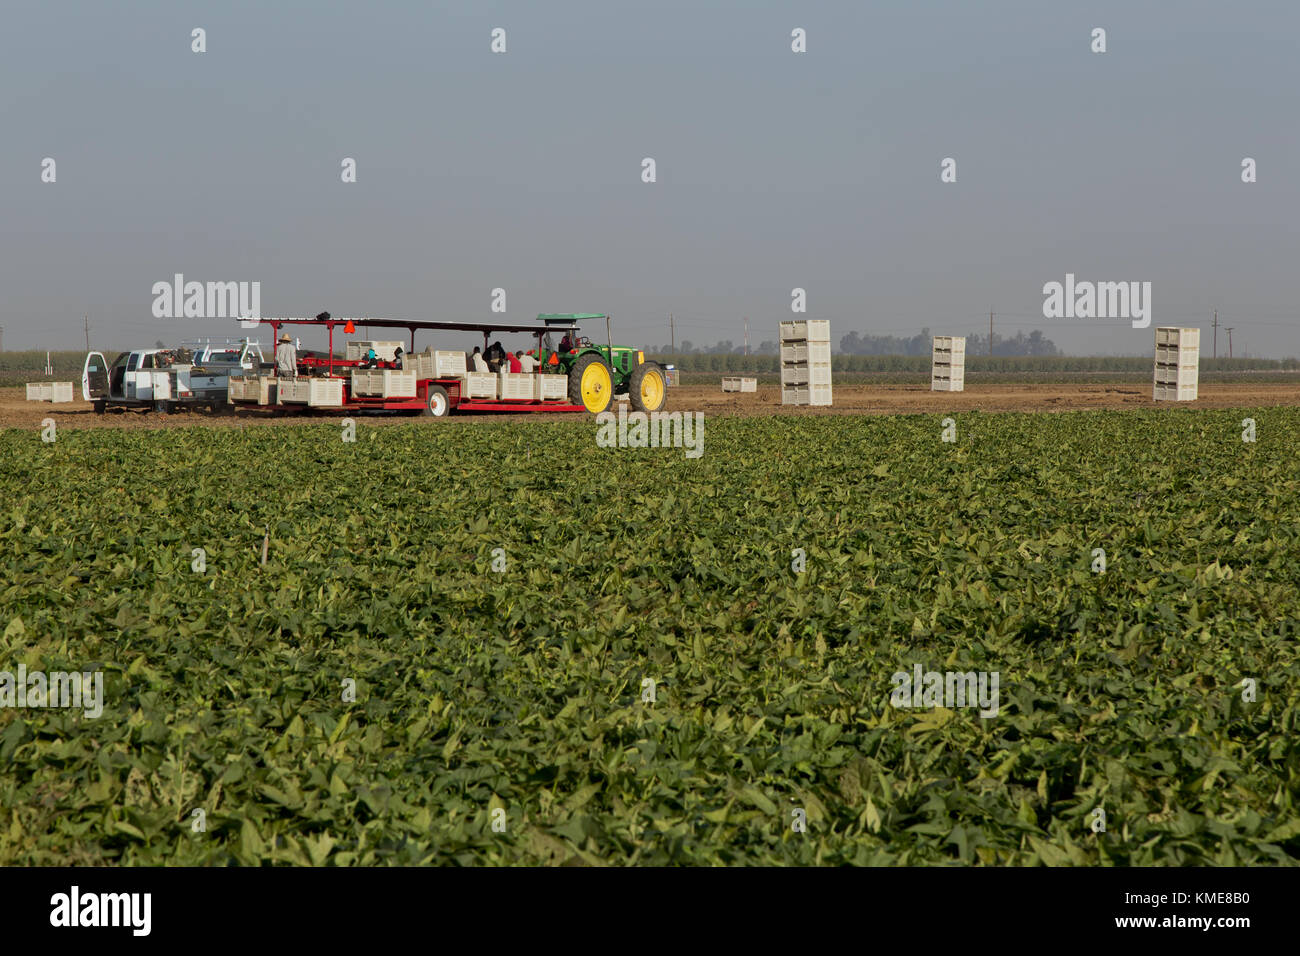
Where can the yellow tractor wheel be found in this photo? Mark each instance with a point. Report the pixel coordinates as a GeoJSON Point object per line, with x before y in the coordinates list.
{"type": "Point", "coordinates": [591, 384]}
{"type": "Point", "coordinates": [648, 387]}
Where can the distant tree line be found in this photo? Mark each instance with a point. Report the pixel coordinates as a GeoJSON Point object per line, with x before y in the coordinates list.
{"type": "Point", "coordinates": [1035, 343]}
{"type": "Point", "coordinates": [975, 364]}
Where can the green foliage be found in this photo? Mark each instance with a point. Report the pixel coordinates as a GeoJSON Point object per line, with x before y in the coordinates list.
{"type": "Point", "coordinates": [521, 691]}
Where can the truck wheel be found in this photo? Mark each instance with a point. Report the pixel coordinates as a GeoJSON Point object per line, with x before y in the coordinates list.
{"type": "Point", "coordinates": [437, 405]}
{"type": "Point", "coordinates": [590, 384]}
{"type": "Point", "coordinates": [648, 388]}
{"type": "Point", "coordinates": [100, 405]}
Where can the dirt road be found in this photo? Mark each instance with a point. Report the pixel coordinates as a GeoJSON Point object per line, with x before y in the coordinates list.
{"type": "Point", "coordinates": [17, 412]}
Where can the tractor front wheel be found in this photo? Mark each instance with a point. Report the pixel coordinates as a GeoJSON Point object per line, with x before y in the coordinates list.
{"type": "Point", "coordinates": [591, 384]}
{"type": "Point", "coordinates": [648, 387]}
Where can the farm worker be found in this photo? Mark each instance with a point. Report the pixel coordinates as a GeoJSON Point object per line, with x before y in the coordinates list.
{"type": "Point", "coordinates": [397, 357]}
{"type": "Point", "coordinates": [286, 358]}
{"type": "Point", "coordinates": [477, 358]}
{"type": "Point", "coordinates": [515, 364]}
{"type": "Point", "coordinates": [565, 344]}
{"type": "Point", "coordinates": [371, 359]}
{"type": "Point", "coordinates": [526, 362]}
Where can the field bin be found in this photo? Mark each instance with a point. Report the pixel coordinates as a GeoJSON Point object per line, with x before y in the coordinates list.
{"type": "Point", "coordinates": [318, 392]}
{"type": "Point", "coordinates": [806, 395]}
{"type": "Point", "coordinates": [549, 387]}
{"type": "Point", "coordinates": [262, 389]}
{"type": "Point", "coordinates": [384, 383]}
{"type": "Point", "coordinates": [1180, 337]}
{"type": "Point", "coordinates": [807, 373]}
{"type": "Point", "coordinates": [356, 351]}
{"type": "Point", "coordinates": [1175, 375]}
{"type": "Point", "coordinates": [954, 381]}
{"type": "Point", "coordinates": [1177, 356]}
{"type": "Point", "coordinates": [740, 385]}
{"type": "Point", "coordinates": [435, 364]}
{"type": "Point", "coordinates": [40, 391]}
{"type": "Point", "coordinates": [478, 385]}
{"type": "Point", "coordinates": [949, 350]}
{"type": "Point", "coordinates": [806, 330]}
{"type": "Point", "coordinates": [1173, 393]}
{"type": "Point", "coordinates": [814, 352]}
{"type": "Point", "coordinates": [515, 386]}
{"type": "Point", "coordinates": [61, 391]}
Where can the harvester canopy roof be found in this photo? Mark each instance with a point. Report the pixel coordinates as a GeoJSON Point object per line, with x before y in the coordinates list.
{"type": "Point", "coordinates": [550, 318]}
{"type": "Point", "coordinates": [418, 324]}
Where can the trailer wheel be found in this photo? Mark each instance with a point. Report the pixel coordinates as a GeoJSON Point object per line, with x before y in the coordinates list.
{"type": "Point", "coordinates": [437, 405]}
{"type": "Point", "coordinates": [648, 388]}
{"type": "Point", "coordinates": [591, 384]}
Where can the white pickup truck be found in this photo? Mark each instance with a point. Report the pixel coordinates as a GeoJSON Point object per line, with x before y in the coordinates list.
{"type": "Point", "coordinates": [166, 379]}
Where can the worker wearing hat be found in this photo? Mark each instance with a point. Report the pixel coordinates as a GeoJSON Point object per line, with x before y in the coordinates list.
{"type": "Point", "coordinates": [286, 358]}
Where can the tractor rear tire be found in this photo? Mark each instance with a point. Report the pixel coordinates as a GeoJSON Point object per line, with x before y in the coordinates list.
{"type": "Point", "coordinates": [437, 404]}
{"type": "Point", "coordinates": [591, 384]}
{"type": "Point", "coordinates": [648, 387]}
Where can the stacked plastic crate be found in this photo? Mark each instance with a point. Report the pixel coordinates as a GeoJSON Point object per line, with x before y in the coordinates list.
{"type": "Point", "coordinates": [1178, 354]}
{"type": "Point", "coordinates": [948, 368]}
{"type": "Point", "coordinates": [806, 362]}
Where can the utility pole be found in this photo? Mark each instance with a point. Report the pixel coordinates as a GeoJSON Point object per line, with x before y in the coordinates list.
{"type": "Point", "coordinates": [1216, 333]}
{"type": "Point", "coordinates": [990, 332]}
{"type": "Point", "coordinates": [746, 335]}
{"type": "Point", "coordinates": [87, 331]}
{"type": "Point", "coordinates": [2, 338]}
{"type": "Point", "coordinates": [672, 334]}
{"type": "Point", "coordinates": [1228, 329]}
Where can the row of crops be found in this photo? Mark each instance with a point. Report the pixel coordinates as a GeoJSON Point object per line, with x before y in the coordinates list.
{"type": "Point", "coordinates": [482, 642]}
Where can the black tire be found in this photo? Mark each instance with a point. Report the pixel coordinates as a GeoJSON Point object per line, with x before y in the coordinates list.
{"type": "Point", "coordinates": [437, 404]}
{"type": "Point", "coordinates": [657, 398]}
{"type": "Point", "coordinates": [576, 374]}
{"type": "Point", "coordinates": [100, 406]}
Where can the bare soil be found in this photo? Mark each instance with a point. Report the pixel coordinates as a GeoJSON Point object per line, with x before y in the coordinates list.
{"type": "Point", "coordinates": [17, 412]}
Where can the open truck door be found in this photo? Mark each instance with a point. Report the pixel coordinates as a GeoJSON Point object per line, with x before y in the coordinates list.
{"type": "Point", "coordinates": [94, 377]}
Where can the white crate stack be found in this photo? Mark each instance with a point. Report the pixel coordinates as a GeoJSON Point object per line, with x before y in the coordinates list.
{"type": "Point", "coordinates": [948, 364]}
{"type": "Point", "coordinates": [806, 362]}
{"type": "Point", "coordinates": [1178, 357]}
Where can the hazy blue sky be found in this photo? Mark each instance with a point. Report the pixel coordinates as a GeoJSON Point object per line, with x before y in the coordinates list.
{"type": "Point", "coordinates": [776, 169]}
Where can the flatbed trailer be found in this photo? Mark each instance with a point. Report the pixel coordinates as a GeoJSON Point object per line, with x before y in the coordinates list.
{"type": "Point", "coordinates": [435, 396]}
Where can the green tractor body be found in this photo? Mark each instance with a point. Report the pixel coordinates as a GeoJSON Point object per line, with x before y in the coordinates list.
{"type": "Point", "coordinates": [598, 373]}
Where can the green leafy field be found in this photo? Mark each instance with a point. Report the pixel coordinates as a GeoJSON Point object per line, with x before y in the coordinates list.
{"type": "Point", "coordinates": [522, 690]}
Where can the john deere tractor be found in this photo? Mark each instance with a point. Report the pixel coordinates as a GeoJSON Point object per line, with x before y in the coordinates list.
{"type": "Point", "coordinates": [597, 373]}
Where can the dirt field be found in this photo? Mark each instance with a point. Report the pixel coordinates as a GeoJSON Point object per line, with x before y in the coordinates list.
{"type": "Point", "coordinates": [17, 412]}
